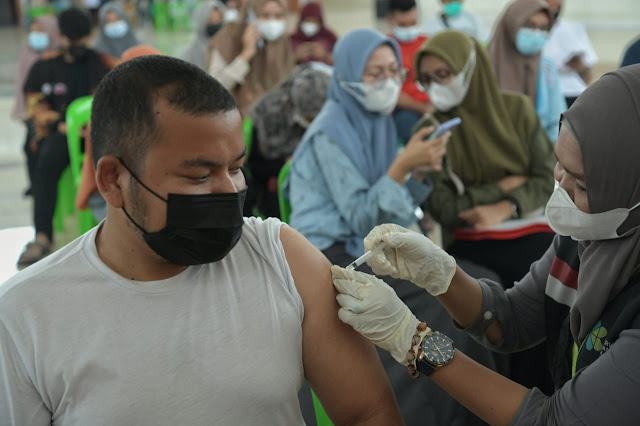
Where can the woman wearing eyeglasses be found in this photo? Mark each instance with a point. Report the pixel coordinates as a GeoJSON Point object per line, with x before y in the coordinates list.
{"type": "Point", "coordinates": [515, 52]}
{"type": "Point", "coordinates": [346, 178]}
{"type": "Point", "coordinates": [498, 171]}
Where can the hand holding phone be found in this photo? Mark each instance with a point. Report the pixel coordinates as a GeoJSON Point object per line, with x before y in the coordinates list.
{"type": "Point", "coordinates": [445, 127]}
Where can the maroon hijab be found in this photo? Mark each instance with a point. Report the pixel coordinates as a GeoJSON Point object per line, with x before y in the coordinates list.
{"type": "Point", "coordinates": [325, 36]}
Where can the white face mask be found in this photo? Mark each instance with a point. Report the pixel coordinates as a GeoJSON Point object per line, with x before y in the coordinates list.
{"type": "Point", "coordinates": [116, 29]}
{"type": "Point", "coordinates": [406, 34]}
{"type": "Point", "coordinates": [272, 29]}
{"type": "Point", "coordinates": [381, 96]}
{"type": "Point", "coordinates": [309, 28]}
{"type": "Point", "coordinates": [447, 96]}
{"type": "Point", "coordinates": [565, 218]}
{"type": "Point", "coordinates": [231, 15]}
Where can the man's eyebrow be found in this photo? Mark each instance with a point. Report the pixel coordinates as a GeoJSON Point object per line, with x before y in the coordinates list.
{"type": "Point", "coordinates": [202, 162]}
{"type": "Point", "coordinates": [576, 175]}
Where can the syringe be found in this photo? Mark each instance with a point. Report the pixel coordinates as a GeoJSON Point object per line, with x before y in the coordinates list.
{"type": "Point", "coordinates": [368, 255]}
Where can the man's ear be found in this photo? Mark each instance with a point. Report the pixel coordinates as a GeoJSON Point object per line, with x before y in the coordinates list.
{"type": "Point", "coordinates": [111, 177]}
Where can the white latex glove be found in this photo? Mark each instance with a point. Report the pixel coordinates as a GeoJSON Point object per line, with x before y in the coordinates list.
{"type": "Point", "coordinates": [410, 256]}
{"type": "Point", "coordinates": [374, 310]}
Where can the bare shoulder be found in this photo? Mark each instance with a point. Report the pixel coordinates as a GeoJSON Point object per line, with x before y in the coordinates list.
{"type": "Point", "coordinates": [310, 269]}
{"type": "Point", "coordinates": [341, 366]}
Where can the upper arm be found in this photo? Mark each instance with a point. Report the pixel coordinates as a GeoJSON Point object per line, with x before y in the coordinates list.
{"type": "Point", "coordinates": [20, 402]}
{"type": "Point", "coordinates": [342, 367]}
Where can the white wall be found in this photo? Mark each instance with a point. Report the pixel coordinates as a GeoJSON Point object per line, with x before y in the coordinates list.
{"type": "Point", "coordinates": [611, 24]}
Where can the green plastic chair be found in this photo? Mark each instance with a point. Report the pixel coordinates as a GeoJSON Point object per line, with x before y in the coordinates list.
{"type": "Point", "coordinates": [34, 12]}
{"type": "Point", "coordinates": [179, 15]}
{"type": "Point", "coordinates": [285, 212]}
{"type": "Point", "coordinates": [283, 203]}
{"type": "Point", "coordinates": [247, 131]}
{"type": "Point", "coordinates": [160, 12]}
{"type": "Point", "coordinates": [78, 115]}
{"type": "Point", "coordinates": [65, 203]}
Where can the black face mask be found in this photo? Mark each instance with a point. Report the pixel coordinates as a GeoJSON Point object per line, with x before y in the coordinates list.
{"type": "Point", "coordinates": [212, 29]}
{"type": "Point", "coordinates": [199, 229]}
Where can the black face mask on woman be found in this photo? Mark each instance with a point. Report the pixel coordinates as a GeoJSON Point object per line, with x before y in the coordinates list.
{"type": "Point", "coordinates": [200, 228]}
{"type": "Point", "coordinates": [212, 29]}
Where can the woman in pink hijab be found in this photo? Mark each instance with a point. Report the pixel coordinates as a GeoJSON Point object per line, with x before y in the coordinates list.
{"type": "Point", "coordinates": [43, 39]}
{"type": "Point", "coordinates": [313, 42]}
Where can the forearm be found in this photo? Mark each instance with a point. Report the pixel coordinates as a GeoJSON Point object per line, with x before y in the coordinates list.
{"type": "Point", "coordinates": [463, 301]}
{"type": "Point", "coordinates": [487, 394]}
{"type": "Point", "coordinates": [398, 170]}
{"type": "Point", "coordinates": [445, 204]}
{"type": "Point", "coordinates": [229, 74]}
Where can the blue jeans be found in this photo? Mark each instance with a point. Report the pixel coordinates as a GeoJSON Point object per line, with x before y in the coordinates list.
{"type": "Point", "coordinates": [405, 119]}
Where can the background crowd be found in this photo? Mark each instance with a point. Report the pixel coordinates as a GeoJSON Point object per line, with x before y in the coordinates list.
{"type": "Point", "coordinates": [337, 133]}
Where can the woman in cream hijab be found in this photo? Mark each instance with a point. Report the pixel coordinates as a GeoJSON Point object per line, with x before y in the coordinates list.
{"type": "Point", "coordinates": [250, 56]}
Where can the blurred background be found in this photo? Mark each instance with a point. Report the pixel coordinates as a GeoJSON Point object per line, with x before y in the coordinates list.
{"type": "Point", "coordinates": [611, 25]}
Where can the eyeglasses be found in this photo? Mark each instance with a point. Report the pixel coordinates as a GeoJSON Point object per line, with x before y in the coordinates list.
{"type": "Point", "coordinates": [533, 26]}
{"type": "Point", "coordinates": [400, 73]}
{"type": "Point", "coordinates": [441, 75]}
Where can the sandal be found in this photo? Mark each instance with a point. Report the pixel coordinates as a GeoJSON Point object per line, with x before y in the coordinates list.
{"type": "Point", "coordinates": [33, 252]}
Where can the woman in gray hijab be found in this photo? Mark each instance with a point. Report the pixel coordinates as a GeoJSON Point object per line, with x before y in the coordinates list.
{"type": "Point", "coordinates": [116, 34]}
{"type": "Point", "coordinates": [206, 20]}
{"type": "Point", "coordinates": [582, 296]}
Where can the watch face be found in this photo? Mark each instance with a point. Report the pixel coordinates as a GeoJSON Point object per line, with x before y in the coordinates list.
{"type": "Point", "coordinates": [438, 348]}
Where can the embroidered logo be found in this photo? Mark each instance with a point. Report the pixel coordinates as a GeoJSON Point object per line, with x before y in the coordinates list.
{"type": "Point", "coordinates": [597, 335]}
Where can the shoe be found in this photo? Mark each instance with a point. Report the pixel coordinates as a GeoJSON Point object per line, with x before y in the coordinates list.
{"type": "Point", "coordinates": [33, 252]}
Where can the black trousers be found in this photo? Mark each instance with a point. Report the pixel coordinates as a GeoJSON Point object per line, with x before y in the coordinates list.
{"type": "Point", "coordinates": [511, 260]}
{"type": "Point", "coordinates": [32, 156]}
{"type": "Point", "coordinates": [421, 401]}
{"type": "Point", "coordinates": [52, 159]}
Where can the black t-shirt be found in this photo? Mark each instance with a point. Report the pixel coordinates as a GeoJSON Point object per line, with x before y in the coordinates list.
{"type": "Point", "coordinates": [61, 82]}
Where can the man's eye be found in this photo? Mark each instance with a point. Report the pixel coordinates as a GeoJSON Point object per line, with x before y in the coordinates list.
{"type": "Point", "coordinates": [199, 178]}
{"type": "Point", "coordinates": [581, 188]}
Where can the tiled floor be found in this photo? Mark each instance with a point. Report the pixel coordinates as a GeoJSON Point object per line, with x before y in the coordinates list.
{"type": "Point", "coordinates": [610, 24]}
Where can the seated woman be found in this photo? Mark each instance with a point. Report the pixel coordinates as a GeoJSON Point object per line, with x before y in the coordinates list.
{"type": "Point", "coordinates": [116, 34]}
{"type": "Point", "coordinates": [346, 178]}
{"type": "Point", "coordinates": [313, 42]}
{"type": "Point", "coordinates": [249, 57]}
{"type": "Point", "coordinates": [515, 54]}
{"type": "Point", "coordinates": [499, 163]}
{"type": "Point", "coordinates": [43, 41]}
{"type": "Point", "coordinates": [206, 21]}
{"type": "Point", "coordinates": [280, 119]}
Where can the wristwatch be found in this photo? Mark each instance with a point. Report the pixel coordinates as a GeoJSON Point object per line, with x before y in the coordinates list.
{"type": "Point", "coordinates": [436, 351]}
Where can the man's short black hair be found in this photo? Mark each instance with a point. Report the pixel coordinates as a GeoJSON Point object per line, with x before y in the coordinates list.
{"type": "Point", "coordinates": [123, 119]}
{"type": "Point", "coordinates": [74, 23]}
{"type": "Point", "coordinates": [401, 5]}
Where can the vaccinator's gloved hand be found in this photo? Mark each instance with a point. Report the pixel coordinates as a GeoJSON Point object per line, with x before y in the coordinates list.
{"type": "Point", "coordinates": [410, 256]}
{"type": "Point", "coordinates": [374, 310]}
